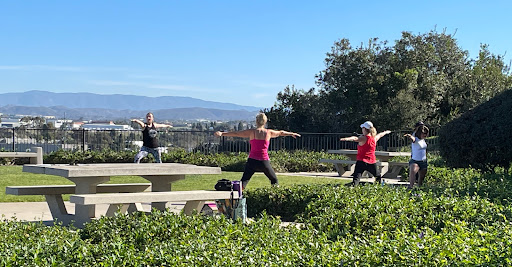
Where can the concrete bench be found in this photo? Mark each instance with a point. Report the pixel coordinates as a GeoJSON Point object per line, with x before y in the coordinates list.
{"type": "Point", "coordinates": [343, 166]}
{"type": "Point", "coordinates": [53, 194]}
{"type": "Point", "coordinates": [35, 157]}
{"type": "Point", "coordinates": [195, 199]}
{"type": "Point", "coordinates": [394, 169]}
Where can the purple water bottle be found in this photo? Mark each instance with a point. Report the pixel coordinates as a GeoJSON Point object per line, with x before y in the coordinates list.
{"type": "Point", "coordinates": [237, 186]}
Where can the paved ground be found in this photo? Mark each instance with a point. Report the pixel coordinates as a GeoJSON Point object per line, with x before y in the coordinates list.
{"type": "Point", "coordinates": [39, 211]}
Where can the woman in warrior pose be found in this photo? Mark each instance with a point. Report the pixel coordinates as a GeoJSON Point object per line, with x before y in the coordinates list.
{"type": "Point", "coordinates": [259, 139]}
{"type": "Point", "coordinates": [149, 138]}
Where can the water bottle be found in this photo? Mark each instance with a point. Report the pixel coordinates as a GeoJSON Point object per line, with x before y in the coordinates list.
{"type": "Point", "coordinates": [237, 186]}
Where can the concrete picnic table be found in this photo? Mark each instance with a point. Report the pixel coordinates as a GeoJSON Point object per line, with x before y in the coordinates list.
{"type": "Point", "coordinates": [381, 155]}
{"type": "Point", "coordinates": [389, 170]}
{"type": "Point", "coordinates": [87, 176]}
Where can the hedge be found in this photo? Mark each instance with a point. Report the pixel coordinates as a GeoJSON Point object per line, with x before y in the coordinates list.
{"type": "Point", "coordinates": [480, 138]}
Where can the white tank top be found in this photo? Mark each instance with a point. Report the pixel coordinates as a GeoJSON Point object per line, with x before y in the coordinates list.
{"type": "Point", "coordinates": [419, 149]}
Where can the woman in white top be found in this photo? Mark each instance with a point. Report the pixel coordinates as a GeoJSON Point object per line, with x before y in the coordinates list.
{"type": "Point", "coordinates": [418, 162]}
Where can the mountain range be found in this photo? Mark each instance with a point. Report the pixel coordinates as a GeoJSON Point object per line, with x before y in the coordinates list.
{"type": "Point", "coordinates": [89, 106]}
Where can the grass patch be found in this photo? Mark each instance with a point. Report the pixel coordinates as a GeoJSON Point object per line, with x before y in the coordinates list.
{"type": "Point", "coordinates": [13, 175]}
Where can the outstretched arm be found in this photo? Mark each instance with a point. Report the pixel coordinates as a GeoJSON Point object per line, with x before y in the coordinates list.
{"type": "Point", "coordinates": [410, 137]}
{"type": "Point", "coordinates": [161, 125]}
{"type": "Point", "coordinates": [381, 134]}
{"type": "Point", "coordinates": [139, 122]}
{"type": "Point", "coordinates": [275, 133]}
{"type": "Point", "coordinates": [360, 138]}
{"type": "Point", "coordinates": [244, 133]}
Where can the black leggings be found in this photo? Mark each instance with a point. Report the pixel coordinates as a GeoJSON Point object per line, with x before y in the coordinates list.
{"type": "Point", "coordinates": [253, 166]}
{"type": "Point", "coordinates": [362, 166]}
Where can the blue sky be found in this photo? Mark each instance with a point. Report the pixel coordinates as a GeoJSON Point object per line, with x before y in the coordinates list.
{"type": "Point", "coordinates": [242, 52]}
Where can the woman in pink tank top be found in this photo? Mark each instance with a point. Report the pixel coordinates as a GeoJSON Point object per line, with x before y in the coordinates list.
{"type": "Point", "coordinates": [366, 160]}
{"type": "Point", "coordinates": [259, 139]}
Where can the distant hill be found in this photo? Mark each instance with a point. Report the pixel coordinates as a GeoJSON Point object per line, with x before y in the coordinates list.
{"type": "Point", "coordinates": [88, 106]}
{"type": "Point", "coordinates": [113, 114]}
{"type": "Point", "coordinates": [117, 101]}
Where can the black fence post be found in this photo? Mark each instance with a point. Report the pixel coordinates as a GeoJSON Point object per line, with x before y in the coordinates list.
{"type": "Point", "coordinates": [386, 142]}
{"type": "Point", "coordinates": [13, 140]}
{"type": "Point", "coordinates": [83, 140]}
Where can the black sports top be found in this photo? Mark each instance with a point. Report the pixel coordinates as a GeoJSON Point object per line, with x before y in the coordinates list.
{"type": "Point", "coordinates": [149, 136]}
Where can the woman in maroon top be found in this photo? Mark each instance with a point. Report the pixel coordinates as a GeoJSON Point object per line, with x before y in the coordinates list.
{"type": "Point", "coordinates": [259, 139]}
{"type": "Point", "coordinates": [366, 160]}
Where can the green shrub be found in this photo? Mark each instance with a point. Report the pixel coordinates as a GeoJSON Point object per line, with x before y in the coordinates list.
{"type": "Point", "coordinates": [161, 239]}
{"type": "Point", "coordinates": [89, 156]}
{"type": "Point", "coordinates": [369, 225]}
{"type": "Point", "coordinates": [480, 137]}
{"type": "Point", "coordinates": [300, 161]}
{"type": "Point", "coordinates": [282, 161]}
{"type": "Point", "coordinates": [284, 202]}
{"type": "Point", "coordinates": [493, 186]}
{"type": "Point", "coordinates": [451, 177]}
{"type": "Point", "coordinates": [339, 210]}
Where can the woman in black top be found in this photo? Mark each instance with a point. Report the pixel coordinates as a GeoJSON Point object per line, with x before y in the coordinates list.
{"type": "Point", "coordinates": [149, 138]}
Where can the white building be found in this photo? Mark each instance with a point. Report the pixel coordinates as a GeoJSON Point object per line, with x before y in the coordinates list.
{"type": "Point", "coordinates": [98, 126]}
{"type": "Point", "coordinates": [10, 123]}
{"type": "Point", "coordinates": [58, 123]}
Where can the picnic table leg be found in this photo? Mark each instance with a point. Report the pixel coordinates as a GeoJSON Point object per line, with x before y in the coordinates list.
{"type": "Point", "coordinates": [190, 206]}
{"type": "Point", "coordinates": [39, 153]}
{"type": "Point", "coordinates": [56, 205]}
{"type": "Point", "coordinates": [393, 172]}
{"type": "Point", "coordinates": [84, 213]}
{"type": "Point", "coordinates": [113, 208]}
{"type": "Point", "coordinates": [340, 168]}
{"type": "Point", "coordinates": [58, 209]}
{"type": "Point", "coordinates": [352, 167]}
{"type": "Point", "coordinates": [383, 169]}
{"type": "Point", "coordinates": [123, 208]}
{"type": "Point", "coordinates": [162, 184]}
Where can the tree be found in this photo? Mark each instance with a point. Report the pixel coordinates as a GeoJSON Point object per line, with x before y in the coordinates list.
{"type": "Point", "coordinates": [425, 77]}
{"type": "Point", "coordinates": [440, 67]}
{"type": "Point", "coordinates": [356, 83]}
{"type": "Point", "coordinates": [298, 110]}
{"type": "Point", "coordinates": [48, 131]}
{"type": "Point", "coordinates": [240, 126]}
{"type": "Point", "coordinates": [34, 122]}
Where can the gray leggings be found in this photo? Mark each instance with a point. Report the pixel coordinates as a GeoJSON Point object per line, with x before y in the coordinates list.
{"type": "Point", "coordinates": [144, 151]}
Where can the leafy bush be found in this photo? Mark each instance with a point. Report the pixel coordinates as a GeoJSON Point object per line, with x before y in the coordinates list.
{"type": "Point", "coordinates": [462, 217]}
{"type": "Point", "coordinates": [480, 137]}
{"type": "Point", "coordinates": [284, 202]}
{"type": "Point", "coordinates": [300, 161]}
{"type": "Point", "coordinates": [89, 156]}
{"type": "Point", "coordinates": [282, 161]}
{"type": "Point", "coordinates": [378, 210]}
{"type": "Point", "coordinates": [369, 225]}
{"type": "Point", "coordinates": [164, 239]}
{"type": "Point", "coordinates": [493, 186]}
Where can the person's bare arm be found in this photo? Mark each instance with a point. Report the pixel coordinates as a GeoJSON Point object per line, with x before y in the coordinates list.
{"type": "Point", "coordinates": [161, 125]}
{"type": "Point", "coordinates": [139, 122]}
{"type": "Point", "coordinates": [243, 134]}
{"type": "Point", "coordinates": [381, 134]}
{"type": "Point", "coordinates": [359, 139]}
{"type": "Point", "coordinates": [274, 134]}
{"type": "Point", "coordinates": [410, 137]}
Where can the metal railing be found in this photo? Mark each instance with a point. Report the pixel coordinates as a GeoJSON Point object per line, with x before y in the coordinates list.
{"type": "Point", "coordinates": [12, 139]}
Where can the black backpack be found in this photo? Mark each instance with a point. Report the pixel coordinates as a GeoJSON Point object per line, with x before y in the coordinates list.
{"type": "Point", "coordinates": [223, 185]}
